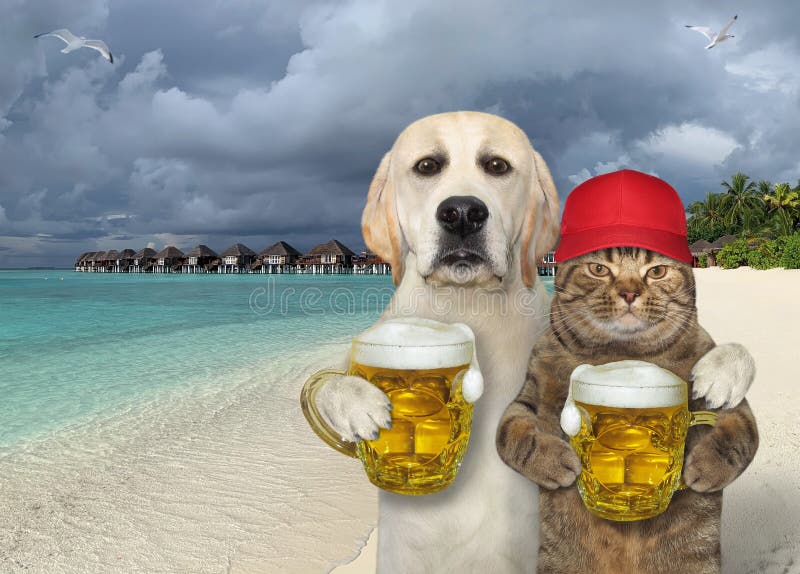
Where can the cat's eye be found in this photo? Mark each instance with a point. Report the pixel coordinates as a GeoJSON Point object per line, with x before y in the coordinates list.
{"type": "Point", "coordinates": [598, 270]}
{"type": "Point", "coordinates": [657, 272]}
{"type": "Point", "coordinates": [428, 166]}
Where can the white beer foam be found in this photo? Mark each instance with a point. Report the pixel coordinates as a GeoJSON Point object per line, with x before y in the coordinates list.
{"type": "Point", "coordinates": [414, 343]}
{"type": "Point", "coordinates": [627, 384]}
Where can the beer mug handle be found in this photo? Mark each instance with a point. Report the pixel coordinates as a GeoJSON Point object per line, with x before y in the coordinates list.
{"type": "Point", "coordinates": [308, 402]}
{"type": "Point", "coordinates": [699, 418]}
{"type": "Point", "coordinates": [703, 418]}
{"type": "Point", "coordinates": [457, 388]}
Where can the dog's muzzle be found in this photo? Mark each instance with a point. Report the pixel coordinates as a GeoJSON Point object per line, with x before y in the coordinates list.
{"type": "Point", "coordinates": [461, 218]}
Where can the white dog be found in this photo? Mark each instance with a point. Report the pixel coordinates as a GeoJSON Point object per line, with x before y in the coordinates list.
{"type": "Point", "coordinates": [463, 208]}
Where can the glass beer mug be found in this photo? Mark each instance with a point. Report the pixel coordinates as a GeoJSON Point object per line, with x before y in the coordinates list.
{"type": "Point", "coordinates": [627, 422]}
{"type": "Point", "coordinates": [425, 368]}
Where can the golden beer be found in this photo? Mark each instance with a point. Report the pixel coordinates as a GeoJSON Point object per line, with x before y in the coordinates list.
{"type": "Point", "coordinates": [419, 364]}
{"type": "Point", "coordinates": [634, 420]}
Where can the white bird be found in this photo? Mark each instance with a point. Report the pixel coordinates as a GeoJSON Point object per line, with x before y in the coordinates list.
{"type": "Point", "coordinates": [74, 42]}
{"type": "Point", "coordinates": [715, 37]}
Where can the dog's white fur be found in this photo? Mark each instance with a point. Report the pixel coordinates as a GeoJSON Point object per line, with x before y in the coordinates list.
{"type": "Point", "coordinates": [487, 520]}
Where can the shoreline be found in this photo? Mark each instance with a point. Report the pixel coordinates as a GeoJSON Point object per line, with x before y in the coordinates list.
{"type": "Point", "coordinates": [229, 479]}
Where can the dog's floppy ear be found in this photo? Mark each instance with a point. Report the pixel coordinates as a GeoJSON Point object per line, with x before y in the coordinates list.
{"type": "Point", "coordinates": [541, 226]}
{"type": "Point", "coordinates": [379, 222]}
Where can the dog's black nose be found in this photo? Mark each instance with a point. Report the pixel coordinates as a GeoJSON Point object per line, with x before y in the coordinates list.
{"type": "Point", "coordinates": [462, 214]}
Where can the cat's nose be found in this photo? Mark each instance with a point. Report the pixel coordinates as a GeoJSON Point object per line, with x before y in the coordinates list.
{"type": "Point", "coordinates": [629, 296]}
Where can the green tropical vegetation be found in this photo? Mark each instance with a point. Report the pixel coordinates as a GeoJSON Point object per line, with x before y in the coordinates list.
{"type": "Point", "coordinates": [765, 218]}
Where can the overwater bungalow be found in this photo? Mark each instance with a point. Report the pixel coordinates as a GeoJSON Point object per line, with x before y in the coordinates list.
{"type": "Point", "coordinates": [92, 261]}
{"type": "Point", "coordinates": [236, 259]}
{"type": "Point", "coordinates": [330, 257]}
{"type": "Point", "coordinates": [96, 261]}
{"type": "Point", "coordinates": [699, 248]}
{"type": "Point", "coordinates": [109, 260]}
{"type": "Point", "coordinates": [370, 264]}
{"type": "Point", "coordinates": [168, 260]}
{"type": "Point", "coordinates": [142, 261]}
{"type": "Point", "coordinates": [278, 258]}
{"type": "Point", "coordinates": [124, 259]}
{"type": "Point", "coordinates": [81, 263]}
{"type": "Point", "coordinates": [199, 259]}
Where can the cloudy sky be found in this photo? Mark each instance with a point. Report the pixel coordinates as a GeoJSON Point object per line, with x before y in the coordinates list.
{"type": "Point", "coordinates": [253, 121]}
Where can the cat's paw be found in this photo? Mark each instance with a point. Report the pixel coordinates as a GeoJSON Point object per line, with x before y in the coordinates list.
{"type": "Point", "coordinates": [708, 469]}
{"type": "Point", "coordinates": [354, 408]}
{"type": "Point", "coordinates": [554, 463]}
{"type": "Point", "coordinates": [723, 375]}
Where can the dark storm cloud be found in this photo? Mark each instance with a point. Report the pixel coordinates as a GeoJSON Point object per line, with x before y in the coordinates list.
{"type": "Point", "coordinates": [239, 120]}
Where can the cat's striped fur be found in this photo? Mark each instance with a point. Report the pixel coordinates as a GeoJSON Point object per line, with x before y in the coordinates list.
{"type": "Point", "coordinates": [587, 326]}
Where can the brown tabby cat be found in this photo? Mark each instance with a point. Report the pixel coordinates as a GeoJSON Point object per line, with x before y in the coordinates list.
{"type": "Point", "coordinates": [611, 305]}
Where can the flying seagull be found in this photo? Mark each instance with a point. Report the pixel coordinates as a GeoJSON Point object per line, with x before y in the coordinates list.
{"type": "Point", "coordinates": [714, 37]}
{"type": "Point", "coordinates": [74, 42]}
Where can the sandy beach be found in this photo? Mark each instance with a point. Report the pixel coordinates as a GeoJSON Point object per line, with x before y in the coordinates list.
{"type": "Point", "coordinates": [212, 478]}
{"type": "Point", "coordinates": [761, 513]}
{"type": "Point", "coordinates": [229, 480]}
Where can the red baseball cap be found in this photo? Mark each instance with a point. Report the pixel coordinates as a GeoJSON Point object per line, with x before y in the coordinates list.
{"type": "Point", "coordinates": [624, 208]}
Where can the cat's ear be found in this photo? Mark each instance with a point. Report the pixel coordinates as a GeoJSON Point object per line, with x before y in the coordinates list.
{"type": "Point", "coordinates": [379, 223]}
{"type": "Point", "coordinates": [541, 226]}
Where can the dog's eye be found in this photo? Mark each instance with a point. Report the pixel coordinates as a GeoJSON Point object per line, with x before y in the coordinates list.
{"type": "Point", "coordinates": [496, 165]}
{"type": "Point", "coordinates": [657, 272]}
{"type": "Point", "coordinates": [428, 166]}
{"type": "Point", "coordinates": [598, 270]}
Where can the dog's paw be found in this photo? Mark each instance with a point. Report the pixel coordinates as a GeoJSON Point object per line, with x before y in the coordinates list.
{"type": "Point", "coordinates": [723, 375]}
{"type": "Point", "coordinates": [707, 469]}
{"type": "Point", "coordinates": [554, 463]}
{"type": "Point", "coordinates": [354, 408]}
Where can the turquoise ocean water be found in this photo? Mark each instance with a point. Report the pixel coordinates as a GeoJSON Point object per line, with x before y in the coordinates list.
{"type": "Point", "coordinates": [75, 345]}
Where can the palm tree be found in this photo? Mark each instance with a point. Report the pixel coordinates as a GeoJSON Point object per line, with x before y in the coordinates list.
{"type": "Point", "coordinates": [780, 224]}
{"type": "Point", "coordinates": [783, 204]}
{"type": "Point", "coordinates": [707, 218]}
{"type": "Point", "coordinates": [740, 196]}
{"type": "Point", "coordinates": [754, 224]}
{"type": "Point", "coordinates": [764, 188]}
{"type": "Point", "coordinates": [711, 211]}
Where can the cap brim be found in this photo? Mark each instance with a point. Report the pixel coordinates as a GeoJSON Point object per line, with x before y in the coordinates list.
{"type": "Point", "coordinates": [581, 242]}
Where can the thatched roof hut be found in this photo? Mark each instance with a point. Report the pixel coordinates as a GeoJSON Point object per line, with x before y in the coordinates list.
{"type": "Point", "coordinates": [201, 251]}
{"type": "Point", "coordinates": [700, 247]}
{"type": "Point", "coordinates": [126, 254]}
{"type": "Point", "coordinates": [280, 248]}
{"type": "Point", "coordinates": [83, 256]}
{"type": "Point", "coordinates": [169, 252]}
{"type": "Point", "coordinates": [723, 241]}
{"type": "Point", "coordinates": [146, 253]}
{"type": "Point", "coordinates": [111, 255]}
{"type": "Point", "coordinates": [332, 247]}
{"type": "Point", "coordinates": [238, 250]}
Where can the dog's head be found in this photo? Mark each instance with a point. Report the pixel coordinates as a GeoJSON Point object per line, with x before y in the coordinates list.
{"type": "Point", "coordinates": [467, 194]}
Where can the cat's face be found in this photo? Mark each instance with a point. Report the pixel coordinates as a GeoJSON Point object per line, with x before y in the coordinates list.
{"type": "Point", "coordinates": [625, 294]}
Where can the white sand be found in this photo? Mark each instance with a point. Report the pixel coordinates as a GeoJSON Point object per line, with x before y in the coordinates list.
{"type": "Point", "coordinates": [227, 479]}
{"type": "Point", "coordinates": [761, 514]}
